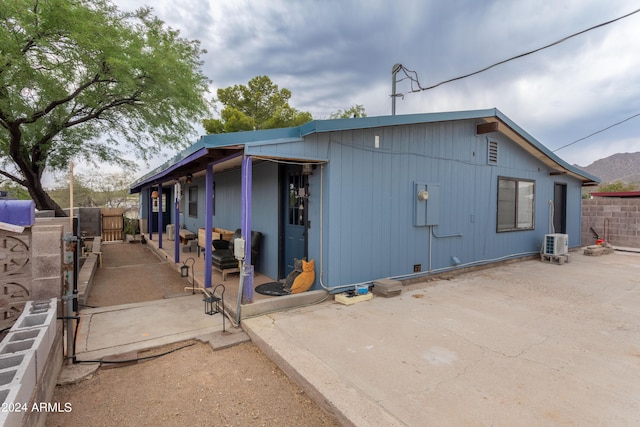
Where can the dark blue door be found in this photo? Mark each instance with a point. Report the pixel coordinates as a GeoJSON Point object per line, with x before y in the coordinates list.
{"type": "Point", "coordinates": [161, 203]}
{"type": "Point", "coordinates": [295, 210]}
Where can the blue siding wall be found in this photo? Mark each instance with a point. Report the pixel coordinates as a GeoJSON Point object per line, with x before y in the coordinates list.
{"type": "Point", "coordinates": [228, 209]}
{"type": "Point", "coordinates": [368, 201]}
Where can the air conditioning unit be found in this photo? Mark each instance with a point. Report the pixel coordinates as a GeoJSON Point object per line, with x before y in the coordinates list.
{"type": "Point", "coordinates": [556, 244]}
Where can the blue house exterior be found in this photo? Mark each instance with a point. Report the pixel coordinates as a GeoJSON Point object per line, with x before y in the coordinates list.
{"type": "Point", "coordinates": [375, 197]}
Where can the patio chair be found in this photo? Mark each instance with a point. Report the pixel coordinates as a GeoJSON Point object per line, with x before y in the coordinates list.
{"type": "Point", "coordinates": [222, 257]}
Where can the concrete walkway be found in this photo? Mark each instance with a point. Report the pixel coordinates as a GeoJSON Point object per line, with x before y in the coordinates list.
{"type": "Point", "coordinates": [522, 344]}
{"type": "Point", "coordinates": [124, 328]}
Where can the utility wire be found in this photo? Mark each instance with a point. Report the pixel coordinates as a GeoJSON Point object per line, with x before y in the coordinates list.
{"type": "Point", "coordinates": [597, 132]}
{"type": "Point", "coordinates": [420, 88]}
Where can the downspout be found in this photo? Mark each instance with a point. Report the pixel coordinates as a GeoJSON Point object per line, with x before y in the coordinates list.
{"type": "Point", "coordinates": [208, 226]}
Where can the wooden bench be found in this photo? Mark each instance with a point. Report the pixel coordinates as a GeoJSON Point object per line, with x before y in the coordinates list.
{"type": "Point", "coordinates": [186, 235]}
{"type": "Point", "coordinates": [96, 248]}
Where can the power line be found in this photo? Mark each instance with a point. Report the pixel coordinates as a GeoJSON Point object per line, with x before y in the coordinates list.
{"type": "Point", "coordinates": [420, 88]}
{"type": "Point", "coordinates": [596, 132]}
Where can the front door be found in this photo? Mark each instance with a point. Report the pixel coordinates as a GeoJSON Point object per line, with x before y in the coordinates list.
{"type": "Point", "coordinates": [560, 208]}
{"type": "Point", "coordinates": [295, 207]}
{"type": "Point", "coordinates": [161, 202]}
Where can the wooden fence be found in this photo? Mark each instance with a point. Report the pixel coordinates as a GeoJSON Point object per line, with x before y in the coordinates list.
{"type": "Point", "coordinates": [112, 224]}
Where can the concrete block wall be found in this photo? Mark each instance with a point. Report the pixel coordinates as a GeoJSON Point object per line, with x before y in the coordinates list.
{"type": "Point", "coordinates": [24, 355]}
{"type": "Point", "coordinates": [15, 275]}
{"type": "Point", "coordinates": [46, 257]}
{"type": "Point", "coordinates": [618, 217]}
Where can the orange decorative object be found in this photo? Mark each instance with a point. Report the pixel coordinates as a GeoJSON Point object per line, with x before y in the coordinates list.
{"type": "Point", "coordinates": [305, 279]}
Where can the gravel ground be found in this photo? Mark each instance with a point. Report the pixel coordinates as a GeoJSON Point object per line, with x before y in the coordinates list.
{"type": "Point", "coordinates": [193, 385]}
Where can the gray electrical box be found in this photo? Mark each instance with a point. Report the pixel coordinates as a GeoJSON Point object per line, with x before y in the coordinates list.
{"type": "Point", "coordinates": [426, 199]}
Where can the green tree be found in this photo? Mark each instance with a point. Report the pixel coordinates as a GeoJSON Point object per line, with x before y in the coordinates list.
{"type": "Point", "coordinates": [80, 79]}
{"type": "Point", "coordinates": [14, 190]}
{"type": "Point", "coordinates": [615, 187]}
{"type": "Point", "coordinates": [259, 105]}
{"type": "Point", "coordinates": [93, 190]}
{"type": "Point", "coordinates": [356, 110]}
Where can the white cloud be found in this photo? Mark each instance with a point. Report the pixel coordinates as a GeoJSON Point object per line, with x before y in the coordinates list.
{"type": "Point", "coordinates": [334, 54]}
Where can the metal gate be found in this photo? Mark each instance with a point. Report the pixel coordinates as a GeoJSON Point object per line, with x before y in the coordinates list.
{"type": "Point", "coordinates": [112, 224]}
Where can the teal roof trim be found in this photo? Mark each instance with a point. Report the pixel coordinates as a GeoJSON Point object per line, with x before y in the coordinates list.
{"type": "Point", "coordinates": [297, 134]}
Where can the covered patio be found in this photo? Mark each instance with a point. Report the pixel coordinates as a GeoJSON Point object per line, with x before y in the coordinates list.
{"type": "Point", "coordinates": [261, 304]}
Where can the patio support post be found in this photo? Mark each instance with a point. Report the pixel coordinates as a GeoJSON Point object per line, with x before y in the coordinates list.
{"type": "Point", "coordinates": [160, 207]}
{"type": "Point", "coordinates": [208, 225]}
{"type": "Point", "coordinates": [149, 216]}
{"type": "Point", "coordinates": [176, 223]}
{"type": "Point", "coordinates": [247, 288]}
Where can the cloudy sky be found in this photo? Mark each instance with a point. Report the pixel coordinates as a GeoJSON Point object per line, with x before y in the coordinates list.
{"type": "Point", "coordinates": [333, 54]}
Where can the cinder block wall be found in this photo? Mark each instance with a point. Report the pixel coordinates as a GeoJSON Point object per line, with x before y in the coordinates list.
{"type": "Point", "coordinates": [30, 268]}
{"type": "Point", "coordinates": [47, 257]}
{"type": "Point", "coordinates": [618, 217]}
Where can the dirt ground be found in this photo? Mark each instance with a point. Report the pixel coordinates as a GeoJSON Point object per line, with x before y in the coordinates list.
{"type": "Point", "coordinates": [192, 385]}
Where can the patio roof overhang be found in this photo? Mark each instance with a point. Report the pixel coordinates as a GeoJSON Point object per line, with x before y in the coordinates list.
{"type": "Point", "coordinates": [225, 158]}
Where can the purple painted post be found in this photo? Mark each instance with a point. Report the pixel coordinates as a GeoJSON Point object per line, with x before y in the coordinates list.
{"type": "Point", "coordinates": [176, 228]}
{"type": "Point", "coordinates": [247, 288]}
{"type": "Point", "coordinates": [208, 225]}
{"type": "Point", "coordinates": [150, 215]}
{"type": "Point", "coordinates": [160, 208]}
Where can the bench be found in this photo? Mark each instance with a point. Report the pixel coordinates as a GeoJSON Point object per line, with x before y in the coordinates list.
{"type": "Point", "coordinates": [96, 248]}
{"type": "Point", "coordinates": [186, 235]}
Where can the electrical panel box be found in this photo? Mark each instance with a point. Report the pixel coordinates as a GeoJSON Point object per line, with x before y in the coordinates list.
{"type": "Point", "coordinates": [238, 249]}
{"type": "Point", "coordinates": [426, 199]}
{"type": "Point", "coordinates": [556, 244]}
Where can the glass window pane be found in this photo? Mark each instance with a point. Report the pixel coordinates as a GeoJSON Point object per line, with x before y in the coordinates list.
{"type": "Point", "coordinates": [525, 204]}
{"type": "Point", "coordinates": [506, 204]}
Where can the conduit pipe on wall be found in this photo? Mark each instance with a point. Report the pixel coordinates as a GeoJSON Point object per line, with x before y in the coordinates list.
{"type": "Point", "coordinates": [432, 233]}
{"type": "Point", "coordinates": [405, 276]}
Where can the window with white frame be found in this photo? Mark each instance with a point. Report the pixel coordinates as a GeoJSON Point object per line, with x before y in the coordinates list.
{"type": "Point", "coordinates": [516, 201]}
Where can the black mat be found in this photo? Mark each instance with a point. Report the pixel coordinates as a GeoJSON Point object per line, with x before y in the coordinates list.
{"type": "Point", "coordinates": [274, 289]}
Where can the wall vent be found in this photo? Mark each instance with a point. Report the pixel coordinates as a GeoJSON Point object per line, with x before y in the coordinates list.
{"type": "Point", "coordinates": [492, 152]}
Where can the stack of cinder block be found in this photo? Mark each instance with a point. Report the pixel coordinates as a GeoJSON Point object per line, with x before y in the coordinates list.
{"type": "Point", "coordinates": [387, 287]}
{"type": "Point", "coordinates": [23, 355]}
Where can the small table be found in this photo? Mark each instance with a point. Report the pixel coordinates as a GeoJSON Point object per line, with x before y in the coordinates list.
{"type": "Point", "coordinates": [186, 235]}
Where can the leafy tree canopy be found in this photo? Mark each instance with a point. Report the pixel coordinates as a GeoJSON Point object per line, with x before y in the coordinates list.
{"type": "Point", "coordinates": [614, 187]}
{"type": "Point", "coordinates": [355, 111]}
{"type": "Point", "coordinates": [94, 190]}
{"type": "Point", "coordinates": [259, 105]}
{"type": "Point", "coordinates": [80, 79]}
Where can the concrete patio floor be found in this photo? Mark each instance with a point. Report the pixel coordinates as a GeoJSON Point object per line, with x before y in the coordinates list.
{"type": "Point", "coordinates": [522, 344]}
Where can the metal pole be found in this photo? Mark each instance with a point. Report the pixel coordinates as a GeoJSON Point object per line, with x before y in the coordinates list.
{"type": "Point", "coordinates": [394, 72]}
{"type": "Point", "coordinates": [208, 226]}
{"type": "Point", "coordinates": [150, 214]}
{"type": "Point", "coordinates": [247, 291]}
{"type": "Point", "coordinates": [161, 207]}
{"type": "Point", "coordinates": [68, 297]}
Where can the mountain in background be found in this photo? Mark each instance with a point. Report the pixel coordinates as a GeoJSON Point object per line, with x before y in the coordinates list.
{"type": "Point", "coordinates": [623, 167]}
